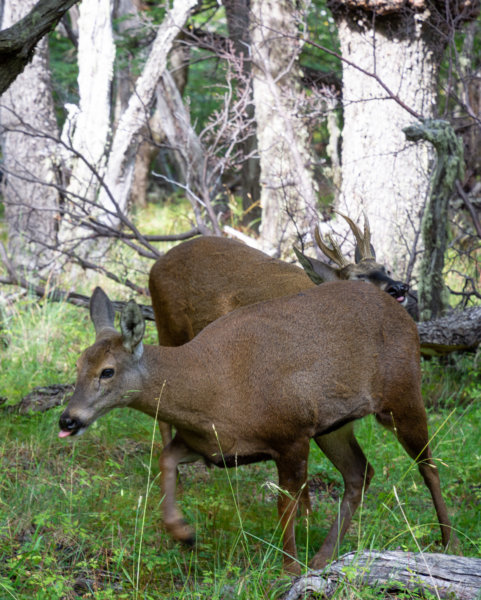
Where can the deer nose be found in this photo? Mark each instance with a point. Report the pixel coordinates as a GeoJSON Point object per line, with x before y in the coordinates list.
{"type": "Point", "coordinates": [398, 289]}
{"type": "Point", "coordinates": [68, 424]}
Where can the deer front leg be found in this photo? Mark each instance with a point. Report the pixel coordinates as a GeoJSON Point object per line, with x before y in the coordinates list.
{"type": "Point", "coordinates": [173, 454]}
{"type": "Point", "coordinates": [292, 469]}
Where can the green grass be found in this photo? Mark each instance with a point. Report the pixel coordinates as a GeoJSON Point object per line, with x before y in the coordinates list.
{"type": "Point", "coordinates": [39, 342]}
{"type": "Point", "coordinates": [73, 520]}
{"type": "Point", "coordinates": [82, 519]}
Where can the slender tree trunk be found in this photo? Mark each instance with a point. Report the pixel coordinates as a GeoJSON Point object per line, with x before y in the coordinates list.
{"type": "Point", "coordinates": [152, 133]}
{"type": "Point", "coordinates": [381, 173]}
{"type": "Point", "coordinates": [26, 114]}
{"type": "Point", "coordinates": [237, 13]}
{"type": "Point", "coordinates": [288, 195]}
{"type": "Point", "coordinates": [191, 157]}
{"type": "Point", "coordinates": [433, 295]}
{"type": "Point", "coordinates": [88, 128]}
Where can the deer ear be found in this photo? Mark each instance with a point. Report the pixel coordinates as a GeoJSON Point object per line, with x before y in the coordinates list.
{"type": "Point", "coordinates": [102, 311]}
{"type": "Point", "coordinates": [132, 326]}
{"type": "Point", "coordinates": [318, 271]}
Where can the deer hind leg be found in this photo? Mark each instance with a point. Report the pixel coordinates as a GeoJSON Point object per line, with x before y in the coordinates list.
{"type": "Point", "coordinates": [173, 454]}
{"type": "Point", "coordinates": [410, 427]}
{"type": "Point", "coordinates": [343, 450]}
{"type": "Point", "coordinates": [292, 469]}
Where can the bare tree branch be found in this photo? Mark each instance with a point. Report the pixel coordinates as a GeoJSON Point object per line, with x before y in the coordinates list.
{"type": "Point", "coordinates": [17, 43]}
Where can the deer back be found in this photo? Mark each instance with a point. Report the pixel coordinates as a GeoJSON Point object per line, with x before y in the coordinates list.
{"type": "Point", "coordinates": [200, 280]}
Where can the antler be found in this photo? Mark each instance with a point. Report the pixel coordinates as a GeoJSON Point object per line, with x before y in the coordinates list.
{"type": "Point", "coordinates": [333, 253]}
{"type": "Point", "coordinates": [363, 240]}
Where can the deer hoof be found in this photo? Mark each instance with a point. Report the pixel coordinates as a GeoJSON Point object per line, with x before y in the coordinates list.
{"type": "Point", "coordinates": [292, 567]}
{"type": "Point", "coordinates": [182, 532]}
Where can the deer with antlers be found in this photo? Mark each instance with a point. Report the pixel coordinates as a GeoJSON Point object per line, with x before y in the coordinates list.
{"type": "Point", "coordinates": [198, 281]}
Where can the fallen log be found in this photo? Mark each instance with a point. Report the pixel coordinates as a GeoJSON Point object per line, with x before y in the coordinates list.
{"type": "Point", "coordinates": [40, 399]}
{"type": "Point", "coordinates": [443, 575]}
{"type": "Point", "coordinates": [459, 330]}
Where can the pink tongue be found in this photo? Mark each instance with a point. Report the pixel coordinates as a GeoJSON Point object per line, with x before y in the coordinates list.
{"type": "Point", "coordinates": [62, 434]}
{"type": "Point", "coordinates": [400, 298]}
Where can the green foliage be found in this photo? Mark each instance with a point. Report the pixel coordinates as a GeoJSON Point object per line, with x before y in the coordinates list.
{"type": "Point", "coordinates": [81, 518]}
{"type": "Point", "coordinates": [451, 382]}
{"type": "Point", "coordinates": [321, 30]}
{"type": "Point", "coordinates": [33, 351]}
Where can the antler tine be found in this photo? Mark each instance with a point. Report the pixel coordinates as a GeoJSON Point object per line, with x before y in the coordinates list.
{"type": "Point", "coordinates": [363, 239]}
{"type": "Point", "coordinates": [333, 253]}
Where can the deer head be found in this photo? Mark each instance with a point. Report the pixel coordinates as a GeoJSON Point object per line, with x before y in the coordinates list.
{"type": "Point", "coordinates": [365, 267]}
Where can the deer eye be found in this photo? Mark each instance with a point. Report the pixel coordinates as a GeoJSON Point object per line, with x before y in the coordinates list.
{"type": "Point", "coordinates": [107, 374]}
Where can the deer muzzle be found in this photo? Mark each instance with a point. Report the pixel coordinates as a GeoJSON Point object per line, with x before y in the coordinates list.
{"type": "Point", "coordinates": [398, 290]}
{"type": "Point", "coordinates": [69, 426]}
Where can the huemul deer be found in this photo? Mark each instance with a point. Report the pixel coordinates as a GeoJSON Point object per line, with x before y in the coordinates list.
{"type": "Point", "coordinates": [198, 281]}
{"type": "Point", "coordinates": [258, 384]}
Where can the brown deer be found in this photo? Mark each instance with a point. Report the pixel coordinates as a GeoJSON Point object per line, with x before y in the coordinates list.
{"type": "Point", "coordinates": [198, 281]}
{"type": "Point", "coordinates": [258, 384]}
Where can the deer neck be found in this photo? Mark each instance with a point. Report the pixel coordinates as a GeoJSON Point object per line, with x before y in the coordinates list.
{"type": "Point", "coordinates": [171, 382]}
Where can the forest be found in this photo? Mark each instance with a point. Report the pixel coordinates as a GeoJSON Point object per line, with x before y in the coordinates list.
{"type": "Point", "coordinates": [262, 219]}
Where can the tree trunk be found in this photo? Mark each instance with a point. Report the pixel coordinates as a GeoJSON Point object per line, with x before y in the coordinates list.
{"type": "Point", "coordinates": [288, 192]}
{"type": "Point", "coordinates": [88, 128]}
{"type": "Point", "coordinates": [440, 574]}
{"type": "Point", "coordinates": [237, 14]}
{"type": "Point", "coordinates": [191, 157]}
{"type": "Point", "coordinates": [27, 116]}
{"type": "Point", "coordinates": [152, 134]}
{"type": "Point", "coordinates": [381, 174]}
{"type": "Point", "coordinates": [432, 291]}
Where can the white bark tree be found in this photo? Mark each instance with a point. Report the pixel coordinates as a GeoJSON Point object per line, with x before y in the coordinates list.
{"type": "Point", "coordinates": [288, 191]}
{"type": "Point", "coordinates": [87, 129]}
{"type": "Point", "coordinates": [392, 53]}
{"type": "Point", "coordinates": [27, 117]}
{"type": "Point", "coordinates": [121, 161]}
{"type": "Point", "coordinates": [102, 171]}
{"type": "Point", "coordinates": [382, 174]}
